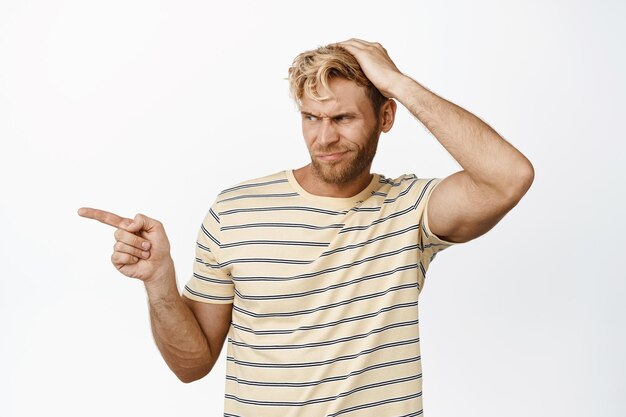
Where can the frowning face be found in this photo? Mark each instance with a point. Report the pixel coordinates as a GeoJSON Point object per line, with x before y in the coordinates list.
{"type": "Point", "coordinates": [341, 133]}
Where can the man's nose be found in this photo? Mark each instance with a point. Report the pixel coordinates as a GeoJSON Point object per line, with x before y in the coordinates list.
{"type": "Point", "coordinates": [328, 132]}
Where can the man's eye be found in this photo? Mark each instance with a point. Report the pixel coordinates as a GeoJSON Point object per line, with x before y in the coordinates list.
{"type": "Point", "coordinates": [310, 117]}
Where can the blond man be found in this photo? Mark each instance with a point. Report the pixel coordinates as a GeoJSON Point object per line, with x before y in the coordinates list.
{"type": "Point", "coordinates": [313, 274]}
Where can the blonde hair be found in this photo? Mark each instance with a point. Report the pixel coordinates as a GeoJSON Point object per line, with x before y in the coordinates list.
{"type": "Point", "coordinates": [317, 67]}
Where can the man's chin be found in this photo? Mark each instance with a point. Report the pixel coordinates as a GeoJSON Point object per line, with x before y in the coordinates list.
{"type": "Point", "coordinates": [332, 173]}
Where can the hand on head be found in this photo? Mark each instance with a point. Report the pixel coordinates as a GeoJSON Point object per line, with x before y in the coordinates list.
{"type": "Point", "coordinates": [375, 63]}
{"type": "Point", "coordinates": [141, 249]}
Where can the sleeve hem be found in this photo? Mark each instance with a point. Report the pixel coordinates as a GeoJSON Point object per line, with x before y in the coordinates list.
{"type": "Point", "coordinates": [207, 298]}
{"type": "Point", "coordinates": [429, 234]}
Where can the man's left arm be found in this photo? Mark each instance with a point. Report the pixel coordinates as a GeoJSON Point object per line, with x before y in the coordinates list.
{"type": "Point", "coordinates": [495, 175]}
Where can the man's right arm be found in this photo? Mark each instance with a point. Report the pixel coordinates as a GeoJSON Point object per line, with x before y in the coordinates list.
{"type": "Point", "coordinates": [189, 334]}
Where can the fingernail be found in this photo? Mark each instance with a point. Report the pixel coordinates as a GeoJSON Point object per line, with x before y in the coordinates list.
{"type": "Point", "coordinates": [145, 254]}
{"type": "Point", "coordinates": [145, 245]}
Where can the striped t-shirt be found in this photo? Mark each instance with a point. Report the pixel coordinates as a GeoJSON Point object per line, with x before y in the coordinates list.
{"type": "Point", "coordinates": [324, 293]}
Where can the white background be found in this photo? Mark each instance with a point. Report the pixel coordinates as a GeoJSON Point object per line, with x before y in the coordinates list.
{"type": "Point", "coordinates": [155, 106]}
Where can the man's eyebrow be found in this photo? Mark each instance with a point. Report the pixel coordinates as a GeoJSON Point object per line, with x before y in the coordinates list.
{"type": "Point", "coordinates": [334, 116]}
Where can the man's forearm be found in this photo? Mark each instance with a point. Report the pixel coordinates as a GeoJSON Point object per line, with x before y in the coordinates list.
{"type": "Point", "coordinates": [176, 331]}
{"type": "Point", "coordinates": [486, 157]}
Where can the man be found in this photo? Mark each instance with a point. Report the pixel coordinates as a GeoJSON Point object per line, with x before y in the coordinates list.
{"type": "Point", "coordinates": [314, 274]}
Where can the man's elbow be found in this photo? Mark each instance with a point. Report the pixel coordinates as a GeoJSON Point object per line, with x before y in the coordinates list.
{"type": "Point", "coordinates": [190, 375]}
{"type": "Point", "coordinates": [520, 184]}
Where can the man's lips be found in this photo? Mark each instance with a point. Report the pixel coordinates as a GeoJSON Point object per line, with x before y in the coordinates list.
{"type": "Point", "coordinates": [331, 156]}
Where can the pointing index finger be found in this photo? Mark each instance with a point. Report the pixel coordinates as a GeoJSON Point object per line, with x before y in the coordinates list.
{"type": "Point", "coordinates": [104, 217]}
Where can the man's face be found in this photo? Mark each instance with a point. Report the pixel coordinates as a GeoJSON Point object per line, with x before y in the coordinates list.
{"type": "Point", "coordinates": [341, 133]}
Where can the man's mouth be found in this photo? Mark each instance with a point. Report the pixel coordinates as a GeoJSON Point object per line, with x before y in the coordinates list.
{"type": "Point", "coordinates": [333, 156]}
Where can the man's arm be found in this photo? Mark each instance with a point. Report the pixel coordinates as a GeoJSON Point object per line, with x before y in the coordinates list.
{"type": "Point", "coordinates": [495, 175]}
{"type": "Point", "coordinates": [189, 334]}
{"type": "Point", "coordinates": [189, 345]}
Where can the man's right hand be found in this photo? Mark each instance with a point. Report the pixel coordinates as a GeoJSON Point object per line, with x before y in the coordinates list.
{"type": "Point", "coordinates": [141, 250]}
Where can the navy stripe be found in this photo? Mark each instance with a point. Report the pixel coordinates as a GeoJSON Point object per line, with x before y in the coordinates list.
{"type": "Point", "coordinates": [367, 242]}
{"type": "Point", "coordinates": [421, 267]}
{"type": "Point", "coordinates": [316, 344]}
{"type": "Point", "coordinates": [212, 279]}
{"type": "Point", "coordinates": [207, 264]}
{"type": "Point", "coordinates": [212, 213]}
{"type": "Point", "coordinates": [331, 287]}
{"type": "Point", "coordinates": [325, 380]}
{"type": "Point", "coordinates": [239, 197]}
{"type": "Point", "coordinates": [402, 193]}
{"type": "Point", "coordinates": [209, 297]}
{"type": "Point", "coordinates": [209, 235]}
{"type": "Point", "coordinates": [410, 285]}
{"type": "Point", "coordinates": [283, 208]}
{"type": "Point", "coordinates": [366, 209]}
{"type": "Point", "coordinates": [290, 262]}
{"type": "Point", "coordinates": [413, 414]}
{"type": "Point", "coordinates": [406, 177]}
{"type": "Point", "coordinates": [323, 326]}
{"type": "Point", "coordinates": [324, 399]}
{"type": "Point", "coordinates": [400, 213]}
{"type": "Point", "coordinates": [252, 185]}
{"type": "Point", "coordinates": [377, 403]}
{"type": "Point", "coordinates": [295, 225]}
{"type": "Point", "coordinates": [204, 248]}
{"type": "Point", "coordinates": [257, 260]}
{"type": "Point", "coordinates": [274, 242]}
{"type": "Point", "coordinates": [328, 270]}
{"type": "Point", "coordinates": [327, 361]}
{"type": "Point", "coordinates": [424, 190]}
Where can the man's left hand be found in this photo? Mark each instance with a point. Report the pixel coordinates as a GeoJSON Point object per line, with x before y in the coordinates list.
{"type": "Point", "coordinates": [375, 63]}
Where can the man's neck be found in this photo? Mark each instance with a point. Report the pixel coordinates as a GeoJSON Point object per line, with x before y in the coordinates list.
{"type": "Point", "coordinates": [316, 186]}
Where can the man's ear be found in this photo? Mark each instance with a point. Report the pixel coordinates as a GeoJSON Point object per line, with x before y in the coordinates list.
{"type": "Point", "coordinates": [388, 115]}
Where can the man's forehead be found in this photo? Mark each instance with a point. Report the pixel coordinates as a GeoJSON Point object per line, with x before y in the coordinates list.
{"type": "Point", "coordinates": [342, 93]}
{"type": "Point", "coordinates": [340, 103]}
{"type": "Point", "coordinates": [327, 107]}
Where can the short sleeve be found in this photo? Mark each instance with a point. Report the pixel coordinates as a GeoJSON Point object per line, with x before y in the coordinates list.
{"type": "Point", "coordinates": [211, 281]}
{"type": "Point", "coordinates": [430, 243]}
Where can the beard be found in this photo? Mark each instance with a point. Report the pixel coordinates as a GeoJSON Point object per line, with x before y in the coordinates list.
{"type": "Point", "coordinates": [350, 166]}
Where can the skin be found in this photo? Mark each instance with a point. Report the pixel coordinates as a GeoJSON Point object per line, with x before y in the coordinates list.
{"type": "Point", "coordinates": [495, 174]}
{"type": "Point", "coordinates": [465, 205]}
{"type": "Point", "coordinates": [341, 135]}
{"type": "Point", "coordinates": [189, 335]}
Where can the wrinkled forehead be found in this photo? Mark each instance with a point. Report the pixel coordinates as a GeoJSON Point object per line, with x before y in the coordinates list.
{"type": "Point", "coordinates": [342, 96]}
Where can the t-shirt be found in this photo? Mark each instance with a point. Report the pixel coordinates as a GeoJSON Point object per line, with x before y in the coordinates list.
{"type": "Point", "coordinates": [325, 295]}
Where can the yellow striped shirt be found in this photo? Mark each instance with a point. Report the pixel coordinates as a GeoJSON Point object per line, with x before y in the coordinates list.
{"type": "Point", "coordinates": [324, 293]}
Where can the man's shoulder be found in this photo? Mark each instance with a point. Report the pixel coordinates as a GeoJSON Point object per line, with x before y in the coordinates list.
{"type": "Point", "coordinates": [398, 181]}
{"type": "Point", "coordinates": [260, 185]}
{"type": "Point", "coordinates": [406, 187]}
{"type": "Point", "coordinates": [402, 183]}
